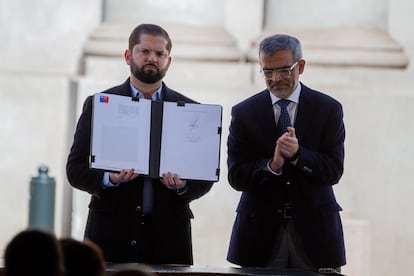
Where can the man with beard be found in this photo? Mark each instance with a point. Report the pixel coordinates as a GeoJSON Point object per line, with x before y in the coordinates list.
{"type": "Point", "coordinates": [119, 219]}
{"type": "Point", "coordinates": [285, 152]}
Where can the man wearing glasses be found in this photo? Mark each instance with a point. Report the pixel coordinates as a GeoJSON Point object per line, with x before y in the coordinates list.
{"type": "Point", "coordinates": [285, 152]}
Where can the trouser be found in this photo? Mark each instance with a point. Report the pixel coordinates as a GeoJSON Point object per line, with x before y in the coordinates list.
{"type": "Point", "coordinates": [288, 252]}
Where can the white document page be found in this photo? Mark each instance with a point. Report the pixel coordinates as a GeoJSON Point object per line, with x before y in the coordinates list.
{"type": "Point", "coordinates": [190, 144]}
{"type": "Point", "coordinates": [120, 133]}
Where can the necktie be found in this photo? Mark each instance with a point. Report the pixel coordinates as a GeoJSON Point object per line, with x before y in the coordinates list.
{"type": "Point", "coordinates": [147, 193]}
{"type": "Point", "coordinates": [147, 196]}
{"type": "Point", "coordinates": [284, 119]}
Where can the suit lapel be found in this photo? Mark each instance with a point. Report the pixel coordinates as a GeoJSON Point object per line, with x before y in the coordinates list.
{"type": "Point", "coordinates": [167, 95]}
{"type": "Point", "coordinates": [304, 112]}
{"type": "Point", "coordinates": [124, 89]}
{"type": "Point", "coordinates": [266, 114]}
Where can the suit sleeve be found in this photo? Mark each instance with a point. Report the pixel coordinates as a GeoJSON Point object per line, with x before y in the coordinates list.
{"type": "Point", "coordinates": [245, 165]}
{"type": "Point", "coordinates": [323, 162]}
{"type": "Point", "coordinates": [196, 189]}
{"type": "Point", "coordinates": [77, 166]}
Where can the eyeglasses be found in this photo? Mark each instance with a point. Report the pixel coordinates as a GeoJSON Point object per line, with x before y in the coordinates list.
{"type": "Point", "coordinates": [281, 72]}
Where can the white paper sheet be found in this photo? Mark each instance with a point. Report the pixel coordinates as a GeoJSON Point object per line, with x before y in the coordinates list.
{"type": "Point", "coordinates": [120, 133]}
{"type": "Point", "coordinates": [190, 144]}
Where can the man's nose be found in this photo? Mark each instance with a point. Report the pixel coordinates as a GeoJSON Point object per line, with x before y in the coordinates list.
{"type": "Point", "coordinates": [152, 56]}
{"type": "Point", "coordinates": [276, 76]}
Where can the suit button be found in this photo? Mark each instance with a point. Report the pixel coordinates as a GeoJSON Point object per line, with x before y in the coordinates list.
{"type": "Point", "coordinates": [287, 182]}
{"type": "Point", "coordinates": [133, 242]}
{"type": "Point", "coordinates": [138, 208]}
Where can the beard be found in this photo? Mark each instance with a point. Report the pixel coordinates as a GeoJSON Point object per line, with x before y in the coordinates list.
{"type": "Point", "coordinates": [282, 88]}
{"type": "Point", "coordinates": [149, 76]}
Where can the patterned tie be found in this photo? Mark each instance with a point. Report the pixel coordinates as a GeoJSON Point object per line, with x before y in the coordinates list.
{"type": "Point", "coordinates": [284, 119]}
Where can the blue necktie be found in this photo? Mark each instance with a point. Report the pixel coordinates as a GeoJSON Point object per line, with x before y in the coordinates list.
{"type": "Point", "coordinates": [147, 193]}
{"type": "Point", "coordinates": [284, 119]}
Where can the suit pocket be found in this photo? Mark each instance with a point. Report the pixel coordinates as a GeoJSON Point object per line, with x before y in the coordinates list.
{"type": "Point", "coordinates": [329, 209]}
{"type": "Point", "coordinates": [107, 202]}
{"type": "Point", "coordinates": [247, 208]}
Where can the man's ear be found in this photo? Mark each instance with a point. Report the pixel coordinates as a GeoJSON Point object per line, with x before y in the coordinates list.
{"type": "Point", "coordinates": [127, 56]}
{"type": "Point", "coordinates": [302, 63]}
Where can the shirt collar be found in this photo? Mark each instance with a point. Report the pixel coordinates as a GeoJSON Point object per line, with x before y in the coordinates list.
{"type": "Point", "coordinates": [137, 93]}
{"type": "Point", "coordinates": [294, 97]}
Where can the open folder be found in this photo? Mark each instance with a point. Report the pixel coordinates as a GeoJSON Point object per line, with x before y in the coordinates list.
{"type": "Point", "coordinates": [155, 137]}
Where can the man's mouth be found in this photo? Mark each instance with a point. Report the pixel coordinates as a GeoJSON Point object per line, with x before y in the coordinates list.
{"type": "Point", "coordinates": [151, 67]}
{"type": "Point", "coordinates": [279, 85]}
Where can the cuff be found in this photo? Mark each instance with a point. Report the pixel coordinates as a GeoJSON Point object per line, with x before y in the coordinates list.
{"type": "Point", "coordinates": [269, 169]}
{"type": "Point", "coordinates": [106, 182]}
{"type": "Point", "coordinates": [182, 190]}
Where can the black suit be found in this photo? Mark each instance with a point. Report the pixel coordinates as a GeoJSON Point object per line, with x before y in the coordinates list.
{"type": "Point", "coordinates": [115, 222]}
{"type": "Point", "coordinates": [308, 184]}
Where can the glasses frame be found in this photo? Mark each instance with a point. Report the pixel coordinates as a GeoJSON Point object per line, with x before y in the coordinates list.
{"type": "Point", "coordinates": [279, 71]}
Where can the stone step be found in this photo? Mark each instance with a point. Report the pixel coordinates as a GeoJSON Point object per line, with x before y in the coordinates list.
{"type": "Point", "coordinates": [344, 47]}
{"type": "Point", "coordinates": [209, 43]}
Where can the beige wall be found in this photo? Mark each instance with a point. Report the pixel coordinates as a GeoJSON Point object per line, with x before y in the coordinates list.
{"type": "Point", "coordinates": [368, 14]}
{"type": "Point", "coordinates": [45, 36]}
{"type": "Point", "coordinates": [183, 11]}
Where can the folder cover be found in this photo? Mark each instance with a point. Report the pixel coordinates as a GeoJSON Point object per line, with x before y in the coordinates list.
{"type": "Point", "coordinates": [156, 137]}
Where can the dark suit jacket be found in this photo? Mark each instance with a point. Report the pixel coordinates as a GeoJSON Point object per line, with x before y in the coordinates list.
{"type": "Point", "coordinates": [251, 143]}
{"type": "Point", "coordinates": [115, 222]}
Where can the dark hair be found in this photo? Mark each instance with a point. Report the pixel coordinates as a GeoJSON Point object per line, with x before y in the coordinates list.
{"type": "Point", "coordinates": [149, 29]}
{"type": "Point", "coordinates": [82, 258]}
{"type": "Point", "coordinates": [33, 252]}
{"type": "Point", "coordinates": [278, 42]}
